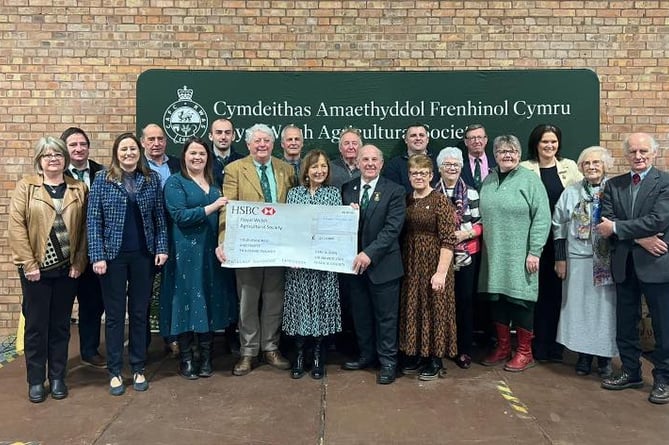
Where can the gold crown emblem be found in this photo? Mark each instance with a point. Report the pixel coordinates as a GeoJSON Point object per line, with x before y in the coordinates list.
{"type": "Point", "coordinates": [185, 93]}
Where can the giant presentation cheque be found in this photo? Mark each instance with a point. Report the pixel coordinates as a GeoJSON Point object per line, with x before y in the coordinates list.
{"type": "Point", "coordinates": [259, 234]}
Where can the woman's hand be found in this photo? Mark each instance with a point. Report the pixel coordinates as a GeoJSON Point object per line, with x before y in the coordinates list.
{"type": "Point", "coordinates": [160, 259]}
{"type": "Point", "coordinates": [220, 254]}
{"type": "Point", "coordinates": [532, 263]}
{"type": "Point", "coordinates": [33, 275]}
{"type": "Point", "coordinates": [561, 269]}
{"type": "Point", "coordinates": [100, 267]}
{"type": "Point", "coordinates": [355, 205]}
{"type": "Point", "coordinates": [461, 235]}
{"type": "Point", "coordinates": [438, 281]}
{"type": "Point", "coordinates": [74, 272]}
{"type": "Point", "coordinates": [220, 203]}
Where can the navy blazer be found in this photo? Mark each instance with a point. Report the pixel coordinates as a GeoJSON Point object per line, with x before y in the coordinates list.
{"type": "Point", "coordinates": [380, 227]}
{"type": "Point", "coordinates": [219, 167]}
{"type": "Point", "coordinates": [467, 174]}
{"type": "Point", "coordinates": [650, 216]}
{"type": "Point", "coordinates": [107, 204]}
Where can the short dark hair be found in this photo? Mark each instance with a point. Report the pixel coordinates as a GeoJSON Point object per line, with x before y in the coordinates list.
{"type": "Point", "coordinates": [74, 130]}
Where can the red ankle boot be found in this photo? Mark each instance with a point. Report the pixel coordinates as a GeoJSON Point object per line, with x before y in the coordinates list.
{"type": "Point", "coordinates": [502, 352]}
{"type": "Point", "coordinates": [523, 359]}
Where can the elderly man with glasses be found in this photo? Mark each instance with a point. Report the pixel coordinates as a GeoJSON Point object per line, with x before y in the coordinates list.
{"type": "Point", "coordinates": [478, 164]}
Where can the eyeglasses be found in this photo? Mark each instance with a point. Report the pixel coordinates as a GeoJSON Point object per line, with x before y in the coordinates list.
{"type": "Point", "coordinates": [476, 138]}
{"type": "Point", "coordinates": [57, 156]}
{"type": "Point", "coordinates": [419, 174]}
{"type": "Point", "coordinates": [448, 165]}
{"type": "Point", "coordinates": [506, 152]}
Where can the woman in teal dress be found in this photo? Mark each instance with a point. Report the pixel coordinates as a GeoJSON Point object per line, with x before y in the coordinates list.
{"type": "Point", "coordinates": [197, 297]}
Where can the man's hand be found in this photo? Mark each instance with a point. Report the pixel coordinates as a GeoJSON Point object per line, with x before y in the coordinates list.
{"type": "Point", "coordinates": [653, 244]}
{"type": "Point", "coordinates": [605, 228]}
{"type": "Point", "coordinates": [361, 262]}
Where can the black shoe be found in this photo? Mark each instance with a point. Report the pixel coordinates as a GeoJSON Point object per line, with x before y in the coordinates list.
{"type": "Point", "coordinates": [387, 375]}
{"type": "Point", "coordinates": [36, 393]}
{"type": "Point", "coordinates": [604, 368]}
{"type": "Point", "coordinates": [318, 371]}
{"type": "Point", "coordinates": [622, 381]}
{"type": "Point", "coordinates": [361, 363]}
{"type": "Point", "coordinates": [432, 370]}
{"type": "Point", "coordinates": [413, 365]}
{"type": "Point", "coordinates": [58, 389]}
{"type": "Point", "coordinates": [297, 371]}
{"type": "Point", "coordinates": [659, 394]}
{"type": "Point", "coordinates": [584, 364]}
{"type": "Point", "coordinates": [188, 370]}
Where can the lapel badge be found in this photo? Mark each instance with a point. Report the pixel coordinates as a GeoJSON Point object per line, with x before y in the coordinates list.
{"type": "Point", "coordinates": [377, 196]}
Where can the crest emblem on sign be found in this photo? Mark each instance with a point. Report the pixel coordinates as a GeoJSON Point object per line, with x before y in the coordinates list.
{"type": "Point", "coordinates": [185, 118]}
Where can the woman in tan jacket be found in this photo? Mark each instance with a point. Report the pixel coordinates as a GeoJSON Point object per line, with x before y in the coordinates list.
{"type": "Point", "coordinates": [48, 242]}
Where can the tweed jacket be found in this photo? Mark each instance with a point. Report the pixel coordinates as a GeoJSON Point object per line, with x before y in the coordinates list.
{"type": "Point", "coordinates": [107, 204]}
{"type": "Point", "coordinates": [31, 217]}
{"type": "Point", "coordinates": [241, 183]}
{"type": "Point", "coordinates": [567, 170]}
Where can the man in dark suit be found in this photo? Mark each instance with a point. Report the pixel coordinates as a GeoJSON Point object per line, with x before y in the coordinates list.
{"type": "Point", "coordinates": [292, 143]}
{"type": "Point", "coordinates": [222, 135]}
{"type": "Point", "coordinates": [375, 289]}
{"type": "Point", "coordinates": [89, 294]}
{"type": "Point", "coordinates": [635, 215]}
{"type": "Point", "coordinates": [477, 163]}
{"type": "Point", "coordinates": [416, 138]}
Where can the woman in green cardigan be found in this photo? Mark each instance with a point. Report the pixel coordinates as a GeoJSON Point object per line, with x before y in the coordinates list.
{"type": "Point", "coordinates": [516, 221]}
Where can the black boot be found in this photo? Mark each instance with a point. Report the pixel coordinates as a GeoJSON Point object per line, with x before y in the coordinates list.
{"type": "Point", "coordinates": [187, 368]}
{"type": "Point", "coordinates": [318, 371]}
{"type": "Point", "coordinates": [432, 370]}
{"type": "Point", "coordinates": [583, 364]}
{"type": "Point", "coordinates": [413, 364]}
{"type": "Point", "coordinates": [604, 368]}
{"type": "Point", "coordinates": [206, 347]}
{"type": "Point", "coordinates": [297, 371]}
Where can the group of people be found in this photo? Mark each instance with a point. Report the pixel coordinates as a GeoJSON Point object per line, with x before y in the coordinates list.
{"type": "Point", "coordinates": [554, 249]}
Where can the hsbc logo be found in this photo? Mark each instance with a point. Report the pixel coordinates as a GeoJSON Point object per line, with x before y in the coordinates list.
{"type": "Point", "coordinates": [268, 211]}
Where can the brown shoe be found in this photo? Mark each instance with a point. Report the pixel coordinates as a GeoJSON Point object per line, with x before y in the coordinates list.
{"type": "Point", "coordinates": [274, 358]}
{"type": "Point", "coordinates": [243, 366]}
{"type": "Point", "coordinates": [96, 361]}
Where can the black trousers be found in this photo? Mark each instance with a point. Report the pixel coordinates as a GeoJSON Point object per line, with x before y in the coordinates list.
{"type": "Point", "coordinates": [128, 279]}
{"type": "Point", "coordinates": [91, 308]}
{"type": "Point", "coordinates": [47, 308]}
{"type": "Point", "coordinates": [547, 308]}
{"type": "Point", "coordinates": [465, 295]}
{"type": "Point", "coordinates": [628, 314]}
{"type": "Point", "coordinates": [375, 309]}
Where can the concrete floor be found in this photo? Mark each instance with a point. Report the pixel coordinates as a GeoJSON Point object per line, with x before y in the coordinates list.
{"type": "Point", "coordinates": [548, 404]}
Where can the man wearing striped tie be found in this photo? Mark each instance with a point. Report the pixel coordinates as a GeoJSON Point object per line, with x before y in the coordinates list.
{"type": "Point", "coordinates": [477, 163]}
{"type": "Point", "coordinates": [258, 177]}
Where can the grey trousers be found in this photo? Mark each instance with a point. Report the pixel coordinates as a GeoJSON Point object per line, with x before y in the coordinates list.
{"type": "Point", "coordinates": [261, 292]}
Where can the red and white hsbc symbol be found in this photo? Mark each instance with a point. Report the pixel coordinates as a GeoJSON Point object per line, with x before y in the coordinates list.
{"type": "Point", "coordinates": [268, 211]}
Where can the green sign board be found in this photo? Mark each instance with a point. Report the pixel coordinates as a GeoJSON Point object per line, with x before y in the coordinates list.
{"type": "Point", "coordinates": [381, 104]}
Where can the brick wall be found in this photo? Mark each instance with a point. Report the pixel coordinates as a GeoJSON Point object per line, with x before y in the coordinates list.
{"type": "Point", "coordinates": [65, 62]}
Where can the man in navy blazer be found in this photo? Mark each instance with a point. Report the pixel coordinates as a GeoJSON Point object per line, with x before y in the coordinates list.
{"type": "Point", "coordinates": [476, 140]}
{"type": "Point", "coordinates": [89, 294]}
{"type": "Point", "coordinates": [378, 265]}
{"type": "Point", "coordinates": [635, 216]}
{"type": "Point", "coordinates": [222, 135]}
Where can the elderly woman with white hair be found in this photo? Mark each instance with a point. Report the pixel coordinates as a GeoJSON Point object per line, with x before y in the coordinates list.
{"type": "Point", "coordinates": [468, 233]}
{"type": "Point", "coordinates": [582, 260]}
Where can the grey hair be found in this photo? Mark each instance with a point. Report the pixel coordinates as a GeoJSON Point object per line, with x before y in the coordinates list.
{"type": "Point", "coordinates": [653, 143]}
{"type": "Point", "coordinates": [290, 127]}
{"type": "Point", "coordinates": [248, 135]}
{"type": "Point", "coordinates": [450, 152]}
{"type": "Point", "coordinates": [507, 140]}
{"type": "Point", "coordinates": [607, 158]}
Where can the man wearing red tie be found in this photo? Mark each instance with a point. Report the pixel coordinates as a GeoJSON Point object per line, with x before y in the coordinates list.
{"type": "Point", "coordinates": [635, 216]}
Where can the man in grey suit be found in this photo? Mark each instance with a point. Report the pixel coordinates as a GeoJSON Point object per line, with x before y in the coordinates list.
{"type": "Point", "coordinates": [635, 215]}
{"type": "Point", "coordinates": [378, 265]}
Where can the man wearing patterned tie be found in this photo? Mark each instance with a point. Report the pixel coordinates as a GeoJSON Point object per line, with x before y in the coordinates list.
{"type": "Point", "coordinates": [89, 294]}
{"type": "Point", "coordinates": [259, 178]}
{"type": "Point", "coordinates": [635, 216]}
{"type": "Point", "coordinates": [292, 142]}
{"type": "Point", "coordinates": [222, 135]}
{"type": "Point", "coordinates": [378, 266]}
{"type": "Point", "coordinates": [477, 163]}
